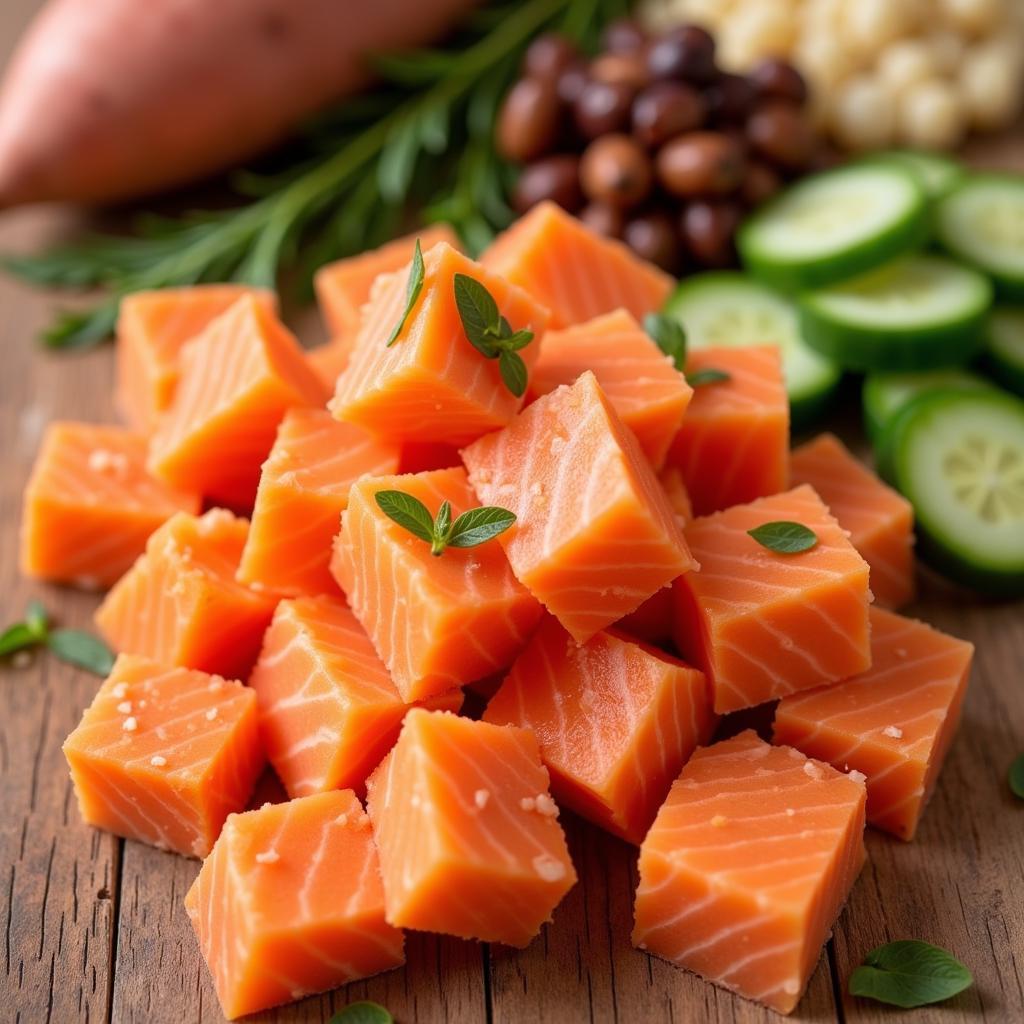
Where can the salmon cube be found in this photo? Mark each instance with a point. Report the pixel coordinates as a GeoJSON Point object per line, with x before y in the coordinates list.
{"type": "Point", "coordinates": [575, 272]}
{"type": "Point", "coordinates": [647, 391]}
{"type": "Point", "coordinates": [290, 904]}
{"type": "Point", "coordinates": [733, 445]}
{"type": "Point", "coordinates": [594, 535]}
{"type": "Point", "coordinates": [894, 723]}
{"type": "Point", "coordinates": [180, 603]}
{"type": "Point", "coordinates": [763, 624]}
{"type": "Point", "coordinates": [238, 378]}
{"type": "Point", "coordinates": [880, 521]}
{"type": "Point", "coordinates": [432, 384]}
{"type": "Point", "coordinates": [164, 754]}
{"type": "Point", "coordinates": [747, 867]}
{"type": "Point", "coordinates": [328, 708]}
{"type": "Point", "coordinates": [468, 834]}
{"type": "Point", "coordinates": [343, 287]}
{"type": "Point", "coordinates": [152, 329]}
{"type": "Point", "coordinates": [329, 360]}
{"type": "Point", "coordinates": [90, 505]}
{"type": "Point", "coordinates": [436, 623]}
{"type": "Point", "coordinates": [302, 493]}
{"type": "Point", "coordinates": [616, 721]}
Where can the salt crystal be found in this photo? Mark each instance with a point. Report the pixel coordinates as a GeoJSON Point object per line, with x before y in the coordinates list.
{"type": "Point", "coordinates": [546, 806]}
{"type": "Point", "coordinates": [548, 868]}
{"type": "Point", "coordinates": [893, 732]}
{"type": "Point", "coordinates": [125, 707]}
{"type": "Point", "coordinates": [480, 798]}
{"type": "Point", "coordinates": [120, 691]}
{"type": "Point", "coordinates": [528, 803]}
{"type": "Point", "coordinates": [101, 460]}
{"type": "Point", "coordinates": [857, 776]}
{"type": "Point", "coordinates": [719, 821]}
{"type": "Point", "coordinates": [130, 724]}
{"type": "Point", "coordinates": [216, 685]}
{"type": "Point", "coordinates": [157, 761]}
{"type": "Point", "coordinates": [211, 714]}
{"type": "Point", "coordinates": [265, 805]}
{"type": "Point", "coordinates": [790, 812]}
{"type": "Point", "coordinates": [268, 857]}
{"type": "Point", "coordinates": [812, 771]}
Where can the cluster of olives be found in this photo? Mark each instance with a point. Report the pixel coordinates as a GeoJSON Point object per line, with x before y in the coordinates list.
{"type": "Point", "coordinates": [651, 142]}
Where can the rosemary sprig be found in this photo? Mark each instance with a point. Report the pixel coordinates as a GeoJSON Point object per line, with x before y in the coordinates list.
{"type": "Point", "coordinates": [359, 173]}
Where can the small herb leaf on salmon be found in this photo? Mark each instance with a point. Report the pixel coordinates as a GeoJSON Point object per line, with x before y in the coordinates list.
{"type": "Point", "coordinates": [413, 290]}
{"type": "Point", "coordinates": [708, 376]}
{"type": "Point", "coordinates": [477, 526]}
{"type": "Point", "coordinates": [668, 335]}
{"type": "Point", "coordinates": [410, 513]}
{"type": "Point", "coordinates": [784, 537]}
{"type": "Point", "coordinates": [909, 973]}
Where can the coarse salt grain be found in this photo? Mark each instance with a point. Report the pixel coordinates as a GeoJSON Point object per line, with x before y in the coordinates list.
{"type": "Point", "coordinates": [857, 776]}
{"type": "Point", "coordinates": [101, 460]}
{"type": "Point", "coordinates": [130, 724]}
{"type": "Point", "coordinates": [120, 690]}
{"type": "Point", "coordinates": [211, 714]}
{"type": "Point", "coordinates": [268, 857]}
{"type": "Point", "coordinates": [812, 771]}
{"type": "Point", "coordinates": [719, 821]}
{"type": "Point", "coordinates": [528, 803]}
{"type": "Point", "coordinates": [548, 868]}
{"type": "Point", "coordinates": [546, 806]}
{"type": "Point", "coordinates": [790, 812]}
{"type": "Point", "coordinates": [893, 732]}
{"type": "Point", "coordinates": [480, 798]}
{"type": "Point", "coordinates": [125, 707]}
{"type": "Point", "coordinates": [157, 761]}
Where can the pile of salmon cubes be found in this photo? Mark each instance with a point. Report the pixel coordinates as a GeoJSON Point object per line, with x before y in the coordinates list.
{"type": "Point", "coordinates": [614, 600]}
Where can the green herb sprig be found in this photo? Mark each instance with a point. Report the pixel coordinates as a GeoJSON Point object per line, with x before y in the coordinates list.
{"type": "Point", "coordinates": [909, 973]}
{"type": "Point", "coordinates": [784, 537]}
{"type": "Point", "coordinates": [669, 336]}
{"type": "Point", "coordinates": [422, 140]}
{"type": "Point", "coordinates": [709, 376]}
{"type": "Point", "coordinates": [71, 645]}
{"type": "Point", "coordinates": [472, 528]}
{"type": "Point", "coordinates": [412, 293]}
{"type": "Point", "coordinates": [363, 1012]}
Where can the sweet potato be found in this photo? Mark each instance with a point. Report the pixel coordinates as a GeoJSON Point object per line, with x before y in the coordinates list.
{"type": "Point", "coordinates": [109, 99]}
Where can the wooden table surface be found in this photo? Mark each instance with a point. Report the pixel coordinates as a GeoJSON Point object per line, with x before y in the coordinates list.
{"type": "Point", "coordinates": [94, 927]}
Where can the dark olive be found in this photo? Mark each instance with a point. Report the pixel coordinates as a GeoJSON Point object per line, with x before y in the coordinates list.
{"type": "Point", "coordinates": [615, 169]}
{"type": "Point", "coordinates": [572, 81]}
{"type": "Point", "coordinates": [652, 236]}
{"type": "Point", "coordinates": [730, 98]}
{"type": "Point", "coordinates": [666, 109]}
{"type": "Point", "coordinates": [603, 107]}
{"type": "Point", "coordinates": [626, 68]}
{"type": "Point", "coordinates": [760, 184]}
{"type": "Point", "coordinates": [603, 218]}
{"type": "Point", "coordinates": [548, 56]}
{"type": "Point", "coordinates": [555, 177]}
{"type": "Point", "coordinates": [781, 133]}
{"type": "Point", "coordinates": [701, 163]}
{"type": "Point", "coordinates": [685, 54]}
{"type": "Point", "coordinates": [623, 36]}
{"type": "Point", "coordinates": [707, 230]}
{"type": "Point", "coordinates": [775, 79]}
{"type": "Point", "coordinates": [529, 120]}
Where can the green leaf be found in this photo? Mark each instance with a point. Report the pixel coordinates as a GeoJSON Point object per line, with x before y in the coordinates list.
{"type": "Point", "coordinates": [514, 342]}
{"type": "Point", "coordinates": [479, 314]}
{"type": "Point", "coordinates": [909, 973]}
{"type": "Point", "coordinates": [397, 162]}
{"type": "Point", "coordinates": [479, 525]}
{"type": "Point", "coordinates": [81, 649]}
{"type": "Point", "coordinates": [1016, 777]}
{"type": "Point", "coordinates": [784, 537]}
{"type": "Point", "coordinates": [668, 334]}
{"type": "Point", "coordinates": [17, 638]}
{"type": "Point", "coordinates": [410, 513]}
{"type": "Point", "coordinates": [412, 293]}
{"type": "Point", "coordinates": [708, 376]}
{"type": "Point", "coordinates": [513, 372]}
{"type": "Point", "coordinates": [362, 1013]}
{"type": "Point", "coordinates": [444, 519]}
{"type": "Point", "coordinates": [37, 619]}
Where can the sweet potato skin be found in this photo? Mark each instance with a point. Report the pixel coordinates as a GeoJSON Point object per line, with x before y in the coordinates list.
{"type": "Point", "coordinates": [110, 99]}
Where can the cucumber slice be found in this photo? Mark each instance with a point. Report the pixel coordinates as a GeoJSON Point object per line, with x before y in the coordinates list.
{"type": "Point", "coordinates": [730, 308]}
{"type": "Point", "coordinates": [937, 174]}
{"type": "Point", "coordinates": [1004, 354]}
{"type": "Point", "coordinates": [916, 313]}
{"type": "Point", "coordinates": [834, 225]}
{"type": "Point", "coordinates": [982, 222]}
{"type": "Point", "coordinates": [958, 456]}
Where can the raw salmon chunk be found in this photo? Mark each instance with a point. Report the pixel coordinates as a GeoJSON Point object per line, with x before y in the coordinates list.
{"type": "Point", "coordinates": [343, 287]}
{"type": "Point", "coordinates": [180, 603]}
{"type": "Point", "coordinates": [164, 754]}
{"type": "Point", "coordinates": [303, 490]}
{"type": "Point", "coordinates": [435, 622]}
{"type": "Point", "coordinates": [594, 536]}
{"type": "Point", "coordinates": [290, 903]}
{"type": "Point", "coordinates": [762, 624]}
{"type": "Point", "coordinates": [152, 329]}
{"type": "Point", "coordinates": [238, 378]}
{"type": "Point", "coordinates": [747, 866]}
{"type": "Point", "coordinates": [894, 723]}
{"type": "Point", "coordinates": [647, 391]}
{"type": "Point", "coordinates": [575, 272]}
{"type": "Point", "coordinates": [329, 360]}
{"type": "Point", "coordinates": [468, 834]}
{"type": "Point", "coordinates": [432, 384]}
{"type": "Point", "coordinates": [328, 708]}
{"type": "Point", "coordinates": [880, 521]}
{"type": "Point", "coordinates": [733, 445]}
{"type": "Point", "coordinates": [90, 505]}
{"type": "Point", "coordinates": [615, 720]}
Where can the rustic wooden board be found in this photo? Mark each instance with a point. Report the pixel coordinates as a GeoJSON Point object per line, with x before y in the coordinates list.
{"type": "Point", "coordinates": [95, 930]}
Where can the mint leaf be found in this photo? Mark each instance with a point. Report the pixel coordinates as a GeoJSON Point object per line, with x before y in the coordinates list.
{"type": "Point", "coordinates": [37, 619]}
{"type": "Point", "coordinates": [708, 376]}
{"type": "Point", "coordinates": [909, 973]}
{"type": "Point", "coordinates": [81, 649]}
{"type": "Point", "coordinates": [16, 638]}
{"type": "Point", "coordinates": [479, 525]}
{"type": "Point", "coordinates": [784, 537]}
{"type": "Point", "coordinates": [410, 513]}
{"type": "Point", "coordinates": [362, 1013]}
{"type": "Point", "coordinates": [1016, 777]}
{"type": "Point", "coordinates": [513, 372]}
{"type": "Point", "coordinates": [412, 293]}
{"type": "Point", "coordinates": [442, 527]}
{"type": "Point", "coordinates": [517, 340]}
{"type": "Point", "coordinates": [479, 314]}
{"type": "Point", "coordinates": [668, 335]}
